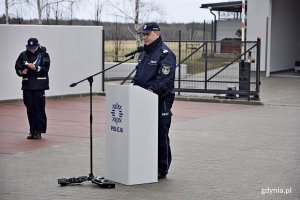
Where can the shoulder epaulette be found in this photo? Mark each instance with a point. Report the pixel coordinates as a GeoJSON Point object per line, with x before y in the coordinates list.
{"type": "Point", "coordinates": [165, 50]}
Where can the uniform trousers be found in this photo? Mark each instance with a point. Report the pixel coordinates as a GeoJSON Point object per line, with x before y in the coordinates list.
{"type": "Point", "coordinates": [35, 103]}
{"type": "Point", "coordinates": [164, 150]}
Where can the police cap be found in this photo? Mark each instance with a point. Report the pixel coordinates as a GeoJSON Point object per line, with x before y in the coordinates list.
{"type": "Point", "coordinates": [32, 44]}
{"type": "Point", "coordinates": [151, 26]}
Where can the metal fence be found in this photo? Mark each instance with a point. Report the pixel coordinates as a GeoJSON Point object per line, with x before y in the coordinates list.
{"type": "Point", "coordinates": [228, 68]}
{"type": "Point", "coordinates": [219, 67]}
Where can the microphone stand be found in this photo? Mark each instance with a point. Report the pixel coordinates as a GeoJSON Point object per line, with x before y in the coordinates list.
{"type": "Point", "coordinates": [128, 76]}
{"type": "Point", "coordinates": [100, 181]}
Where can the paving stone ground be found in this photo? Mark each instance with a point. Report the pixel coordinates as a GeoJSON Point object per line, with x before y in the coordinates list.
{"type": "Point", "coordinates": [220, 150]}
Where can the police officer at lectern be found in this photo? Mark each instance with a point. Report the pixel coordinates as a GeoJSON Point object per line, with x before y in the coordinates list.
{"type": "Point", "coordinates": [33, 66]}
{"type": "Point", "coordinates": [156, 72]}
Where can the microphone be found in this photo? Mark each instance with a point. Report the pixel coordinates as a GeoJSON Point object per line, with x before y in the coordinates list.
{"type": "Point", "coordinates": [73, 84]}
{"type": "Point", "coordinates": [138, 50]}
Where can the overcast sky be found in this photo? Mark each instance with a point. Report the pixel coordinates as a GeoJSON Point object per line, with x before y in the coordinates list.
{"type": "Point", "coordinates": [182, 11]}
{"type": "Point", "coordinates": [174, 11]}
{"type": "Point", "coordinates": [187, 10]}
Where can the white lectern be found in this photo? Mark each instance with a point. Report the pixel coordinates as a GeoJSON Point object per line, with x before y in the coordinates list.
{"type": "Point", "coordinates": [131, 134]}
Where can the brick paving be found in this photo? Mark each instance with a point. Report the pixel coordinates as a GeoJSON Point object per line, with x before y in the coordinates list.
{"type": "Point", "coordinates": [220, 151]}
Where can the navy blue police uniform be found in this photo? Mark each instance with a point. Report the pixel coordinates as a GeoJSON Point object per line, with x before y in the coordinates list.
{"type": "Point", "coordinates": [34, 84]}
{"type": "Point", "coordinates": [156, 72]}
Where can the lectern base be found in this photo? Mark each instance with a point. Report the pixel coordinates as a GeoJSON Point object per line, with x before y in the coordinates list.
{"type": "Point", "coordinates": [100, 181]}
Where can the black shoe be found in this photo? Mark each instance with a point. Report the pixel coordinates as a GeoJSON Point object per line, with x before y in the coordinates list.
{"type": "Point", "coordinates": [37, 136]}
{"type": "Point", "coordinates": [30, 136]}
{"type": "Point", "coordinates": [162, 176]}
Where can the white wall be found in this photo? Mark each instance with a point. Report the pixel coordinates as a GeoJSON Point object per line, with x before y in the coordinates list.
{"type": "Point", "coordinates": [75, 53]}
{"type": "Point", "coordinates": [281, 47]}
{"type": "Point", "coordinates": [257, 13]}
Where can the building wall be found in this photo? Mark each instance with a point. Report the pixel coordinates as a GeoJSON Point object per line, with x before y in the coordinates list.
{"type": "Point", "coordinates": [75, 53]}
{"type": "Point", "coordinates": [227, 28]}
{"type": "Point", "coordinates": [281, 46]}
{"type": "Point", "coordinates": [258, 12]}
{"type": "Point", "coordinates": [285, 40]}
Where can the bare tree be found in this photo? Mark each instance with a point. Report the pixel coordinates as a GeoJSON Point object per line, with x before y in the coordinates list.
{"type": "Point", "coordinates": [39, 7]}
{"type": "Point", "coordinates": [193, 30]}
{"type": "Point", "coordinates": [131, 10]}
{"type": "Point", "coordinates": [55, 4]}
{"type": "Point", "coordinates": [6, 11]}
{"type": "Point", "coordinates": [42, 4]}
{"type": "Point", "coordinates": [99, 7]}
{"type": "Point", "coordinates": [73, 6]}
{"type": "Point", "coordinates": [56, 13]}
{"type": "Point", "coordinates": [48, 13]}
{"type": "Point", "coordinates": [71, 11]}
{"type": "Point", "coordinates": [11, 3]}
{"type": "Point", "coordinates": [136, 11]}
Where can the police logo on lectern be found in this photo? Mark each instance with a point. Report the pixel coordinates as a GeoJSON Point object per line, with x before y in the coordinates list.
{"type": "Point", "coordinates": [117, 117]}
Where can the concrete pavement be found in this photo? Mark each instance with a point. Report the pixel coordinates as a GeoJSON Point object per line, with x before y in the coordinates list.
{"type": "Point", "coordinates": [220, 151]}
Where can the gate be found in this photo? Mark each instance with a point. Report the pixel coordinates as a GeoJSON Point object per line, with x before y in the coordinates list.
{"type": "Point", "coordinates": [227, 68]}
{"type": "Point", "coordinates": [206, 69]}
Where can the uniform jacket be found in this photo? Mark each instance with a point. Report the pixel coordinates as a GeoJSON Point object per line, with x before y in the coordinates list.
{"type": "Point", "coordinates": [35, 79]}
{"type": "Point", "coordinates": [156, 69]}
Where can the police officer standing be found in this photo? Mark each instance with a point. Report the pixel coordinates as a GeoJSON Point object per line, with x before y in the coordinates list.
{"type": "Point", "coordinates": [33, 66]}
{"type": "Point", "coordinates": [156, 72]}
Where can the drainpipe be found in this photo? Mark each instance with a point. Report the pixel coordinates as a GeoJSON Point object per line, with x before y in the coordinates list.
{"type": "Point", "coordinates": [215, 27]}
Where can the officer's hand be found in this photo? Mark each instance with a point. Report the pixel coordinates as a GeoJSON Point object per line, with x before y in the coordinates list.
{"type": "Point", "coordinates": [31, 66]}
{"type": "Point", "coordinates": [24, 71]}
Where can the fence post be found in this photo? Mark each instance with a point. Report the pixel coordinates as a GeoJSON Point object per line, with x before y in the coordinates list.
{"type": "Point", "coordinates": [103, 59]}
{"type": "Point", "coordinates": [204, 31]}
{"type": "Point", "coordinates": [258, 66]}
{"type": "Point", "coordinates": [179, 61]}
{"type": "Point", "coordinates": [205, 65]}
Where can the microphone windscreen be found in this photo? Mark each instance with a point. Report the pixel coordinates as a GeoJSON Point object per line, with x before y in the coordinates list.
{"type": "Point", "coordinates": [73, 84]}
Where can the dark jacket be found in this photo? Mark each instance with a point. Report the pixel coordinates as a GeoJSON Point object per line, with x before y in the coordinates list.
{"type": "Point", "coordinates": [156, 69]}
{"type": "Point", "coordinates": [35, 79]}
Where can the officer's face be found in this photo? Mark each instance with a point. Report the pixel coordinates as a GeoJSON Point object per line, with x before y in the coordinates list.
{"type": "Point", "coordinates": [150, 37]}
{"type": "Point", "coordinates": [34, 50]}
